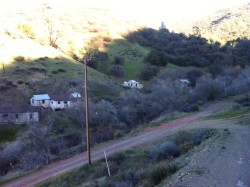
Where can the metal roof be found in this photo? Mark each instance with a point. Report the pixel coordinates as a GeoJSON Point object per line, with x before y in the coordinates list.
{"type": "Point", "coordinates": [60, 97]}
{"type": "Point", "coordinates": [10, 108]}
{"type": "Point", "coordinates": [41, 97]}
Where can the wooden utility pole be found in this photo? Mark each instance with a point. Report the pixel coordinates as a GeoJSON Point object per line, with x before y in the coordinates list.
{"type": "Point", "coordinates": [87, 111]}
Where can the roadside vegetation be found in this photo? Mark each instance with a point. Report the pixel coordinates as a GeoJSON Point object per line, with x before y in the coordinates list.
{"type": "Point", "coordinates": [144, 166]}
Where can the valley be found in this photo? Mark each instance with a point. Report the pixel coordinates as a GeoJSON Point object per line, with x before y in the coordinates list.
{"type": "Point", "coordinates": [145, 86]}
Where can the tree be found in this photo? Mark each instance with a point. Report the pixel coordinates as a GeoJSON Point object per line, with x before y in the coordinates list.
{"type": "Point", "coordinates": [119, 60]}
{"type": "Point", "coordinates": [117, 70]}
{"type": "Point", "coordinates": [163, 26]}
{"type": "Point", "coordinates": [157, 58]}
{"type": "Point", "coordinates": [148, 72]}
{"type": "Point", "coordinates": [53, 34]}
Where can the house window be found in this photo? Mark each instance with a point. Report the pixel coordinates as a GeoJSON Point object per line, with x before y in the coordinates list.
{"type": "Point", "coordinates": [5, 115]}
{"type": "Point", "coordinates": [32, 100]}
{"type": "Point", "coordinates": [31, 116]}
{"type": "Point", "coordinates": [65, 102]}
{"type": "Point", "coordinates": [59, 102]}
{"type": "Point", "coordinates": [16, 115]}
{"type": "Point", "coordinates": [43, 101]}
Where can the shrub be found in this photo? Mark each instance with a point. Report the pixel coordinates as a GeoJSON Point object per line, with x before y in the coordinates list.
{"type": "Point", "coordinates": [148, 72]}
{"type": "Point", "coordinates": [119, 60]}
{"type": "Point", "coordinates": [61, 70]}
{"type": "Point", "coordinates": [20, 82]}
{"type": "Point", "coordinates": [118, 158]}
{"type": "Point", "coordinates": [157, 58]}
{"type": "Point", "coordinates": [159, 173]}
{"type": "Point", "coordinates": [186, 146]}
{"type": "Point", "coordinates": [19, 59]}
{"type": "Point", "coordinates": [107, 39]}
{"type": "Point", "coordinates": [54, 72]}
{"type": "Point", "coordinates": [9, 83]}
{"type": "Point", "coordinates": [27, 30]}
{"type": "Point", "coordinates": [166, 150]}
{"type": "Point", "coordinates": [117, 70]}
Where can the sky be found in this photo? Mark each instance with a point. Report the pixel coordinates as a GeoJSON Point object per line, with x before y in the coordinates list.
{"type": "Point", "coordinates": [149, 12]}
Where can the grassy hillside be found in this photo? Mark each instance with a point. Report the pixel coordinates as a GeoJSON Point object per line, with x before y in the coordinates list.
{"type": "Point", "coordinates": [30, 68]}
{"type": "Point", "coordinates": [222, 26]}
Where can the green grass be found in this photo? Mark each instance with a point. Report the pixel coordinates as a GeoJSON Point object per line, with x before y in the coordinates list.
{"type": "Point", "coordinates": [8, 134]}
{"type": "Point", "coordinates": [165, 119]}
{"type": "Point", "coordinates": [133, 55]}
{"type": "Point", "coordinates": [57, 69]}
{"type": "Point", "coordinates": [238, 112]}
{"type": "Point", "coordinates": [198, 170]}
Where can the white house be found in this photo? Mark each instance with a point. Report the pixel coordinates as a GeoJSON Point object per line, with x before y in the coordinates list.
{"type": "Point", "coordinates": [186, 82]}
{"type": "Point", "coordinates": [132, 84]}
{"type": "Point", "coordinates": [42, 100]}
{"type": "Point", "coordinates": [60, 101]}
{"type": "Point", "coordinates": [56, 101]}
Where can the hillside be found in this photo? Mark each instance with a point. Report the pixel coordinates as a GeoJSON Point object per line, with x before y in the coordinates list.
{"type": "Point", "coordinates": [29, 68]}
{"type": "Point", "coordinates": [50, 35]}
{"type": "Point", "coordinates": [224, 25]}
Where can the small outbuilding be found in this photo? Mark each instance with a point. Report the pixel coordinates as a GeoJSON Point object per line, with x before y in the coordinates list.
{"type": "Point", "coordinates": [60, 101]}
{"type": "Point", "coordinates": [18, 114]}
{"type": "Point", "coordinates": [42, 100]}
{"type": "Point", "coordinates": [132, 84]}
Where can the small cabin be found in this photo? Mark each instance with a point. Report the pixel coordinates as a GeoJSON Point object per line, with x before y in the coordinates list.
{"type": "Point", "coordinates": [132, 84]}
{"type": "Point", "coordinates": [11, 114]}
{"type": "Point", "coordinates": [56, 101]}
{"type": "Point", "coordinates": [186, 82]}
{"type": "Point", "coordinates": [60, 101]}
{"type": "Point", "coordinates": [42, 100]}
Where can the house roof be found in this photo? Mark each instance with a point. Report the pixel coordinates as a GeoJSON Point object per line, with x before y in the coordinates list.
{"type": "Point", "coordinates": [41, 97]}
{"type": "Point", "coordinates": [60, 97]}
{"type": "Point", "coordinates": [10, 108]}
{"type": "Point", "coordinates": [185, 81]}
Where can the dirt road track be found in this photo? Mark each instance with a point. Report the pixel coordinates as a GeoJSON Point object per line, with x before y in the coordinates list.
{"type": "Point", "coordinates": [147, 136]}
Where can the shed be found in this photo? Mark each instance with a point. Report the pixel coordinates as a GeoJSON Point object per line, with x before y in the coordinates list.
{"type": "Point", "coordinates": [18, 114]}
{"type": "Point", "coordinates": [40, 100]}
{"type": "Point", "coordinates": [132, 84]}
{"type": "Point", "coordinates": [60, 101]}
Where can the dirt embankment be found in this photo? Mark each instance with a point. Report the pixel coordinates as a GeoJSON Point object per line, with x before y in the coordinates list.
{"type": "Point", "coordinates": [221, 162]}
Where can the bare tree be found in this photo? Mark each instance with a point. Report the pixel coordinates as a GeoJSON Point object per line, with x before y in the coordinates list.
{"type": "Point", "coordinates": [53, 34]}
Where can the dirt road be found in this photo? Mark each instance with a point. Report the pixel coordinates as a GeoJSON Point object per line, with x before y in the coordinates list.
{"type": "Point", "coordinates": [147, 136]}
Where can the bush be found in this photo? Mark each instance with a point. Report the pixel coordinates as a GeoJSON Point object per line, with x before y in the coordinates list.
{"type": "Point", "coordinates": [186, 146]}
{"type": "Point", "coordinates": [27, 30]}
{"type": "Point", "coordinates": [159, 173]}
{"type": "Point", "coordinates": [19, 59]}
{"type": "Point", "coordinates": [119, 60]}
{"type": "Point", "coordinates": [61, 70]}
{"type": "Point", "coordinates": [157, 58]}
{"type": "Point", "coordinates": [148, 72]}
{"type": "Point", "coordinates": [117, 70]}
{"type": "Point", "coordinates": [166, 150]}
{"type": "Point", "coordinates": [118, 158]}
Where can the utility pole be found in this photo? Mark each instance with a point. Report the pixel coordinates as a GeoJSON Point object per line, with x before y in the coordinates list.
{"type": "Point", "coordinates": [87, 111]}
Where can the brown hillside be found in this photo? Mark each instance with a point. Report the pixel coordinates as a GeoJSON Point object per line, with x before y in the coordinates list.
{"type": "Point", "coordinates": [223, 26]}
